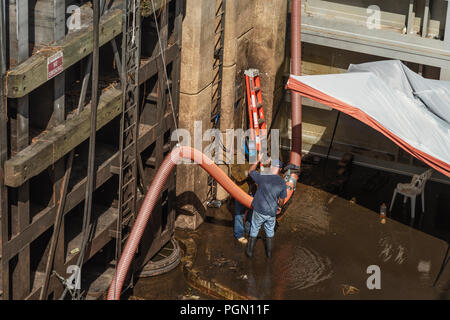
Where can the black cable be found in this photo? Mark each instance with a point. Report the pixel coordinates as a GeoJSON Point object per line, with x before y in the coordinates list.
{"type": "Point", "coordinates": [443, 265]}
{"type": "Point", "coordinates": [331, 142]}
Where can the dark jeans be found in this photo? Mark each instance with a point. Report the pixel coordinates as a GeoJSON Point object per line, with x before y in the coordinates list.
{"type": "Point", "coordinates": [239, 213]}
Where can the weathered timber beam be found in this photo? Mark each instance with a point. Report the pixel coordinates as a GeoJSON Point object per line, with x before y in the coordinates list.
{"type": "Point", "coordinates": [150, 67]}
{"type": "Point", "coordinates": [58, 141]}
{"type": "Point", "coordinates": [44, 219]}
{"type": "Point", "coordinates": [147, 8]}
{"type": "Point", "coordinates": [75, 46]}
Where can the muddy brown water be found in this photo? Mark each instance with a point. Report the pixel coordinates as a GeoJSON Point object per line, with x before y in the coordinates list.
{"type": "Point", "coordinates": [323, 246]}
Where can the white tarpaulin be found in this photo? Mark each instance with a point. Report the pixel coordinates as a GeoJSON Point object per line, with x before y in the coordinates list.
{"type": "Point", "coordinates": [412, 111]}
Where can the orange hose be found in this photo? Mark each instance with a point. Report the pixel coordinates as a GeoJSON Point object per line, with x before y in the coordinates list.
{"type": "Point", "coordinates": [151, 198]}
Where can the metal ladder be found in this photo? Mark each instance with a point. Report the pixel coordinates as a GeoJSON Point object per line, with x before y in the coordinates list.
{"type": "Point", "coordinates": [217, 80]}
{"type": "Point", "coordinates": [218, 62]}
{"type": "Point", "coordinates": [255, 108]}
{"type": "Point", "coordinates": [129, 125]}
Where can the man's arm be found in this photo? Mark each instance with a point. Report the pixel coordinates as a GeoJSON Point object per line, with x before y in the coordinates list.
{"type": "Point", "coordinates": [255, 165]}
{"type": "Point", "coordinates": [281, 199]}
{"type": "Point", "coordinates": [280, 205]}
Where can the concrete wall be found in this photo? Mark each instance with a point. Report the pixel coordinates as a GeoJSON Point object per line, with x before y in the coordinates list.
{"type": "Point", "coordinates": [195, 102]}
{"type": "Point", "coordinates": [254, 38]}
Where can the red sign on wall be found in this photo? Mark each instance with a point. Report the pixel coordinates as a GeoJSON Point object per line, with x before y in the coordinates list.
{"type": "Point", "coordinates": [55, 65]}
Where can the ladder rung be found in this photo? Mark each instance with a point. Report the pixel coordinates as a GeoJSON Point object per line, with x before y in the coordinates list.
{"type": "Point", "coordinates": [126, 202]}
{"type": "Point", "coordinates": [124, 167]}
{"type": "Point", "coordinates": [257, 89]}
{"type": "Point", "coordinates": [130, 109]}
{"type": "Point", "coordinates": [127, 184]}
{"type": "Point", "coordinates": [125, 237]}
{"type": "Point", "coordinates": [127, 219]}
{"type": "Point", "coordinates": [259, 105]}
{"type": "Point", "coordinates": [129, 127]}
{"type": "Point", "coordinates": [261, 121]}
{"type": "Point", "coordinates": [129, 146]}
{"type": "Point", "coordinates": [131, 49]}
{"type": "Point", "coordinates": [126, 212]}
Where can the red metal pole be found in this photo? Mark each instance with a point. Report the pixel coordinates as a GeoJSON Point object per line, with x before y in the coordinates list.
{"type": "Point", "coordinates": [296, 69]}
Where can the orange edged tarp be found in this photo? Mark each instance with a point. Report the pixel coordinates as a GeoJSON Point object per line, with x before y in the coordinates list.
{"type": "Point", "coordinates": [369, 97]}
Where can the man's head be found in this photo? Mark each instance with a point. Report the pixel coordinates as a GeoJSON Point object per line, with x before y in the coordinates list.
{"type": "Point", "coordinates": [275, 166]}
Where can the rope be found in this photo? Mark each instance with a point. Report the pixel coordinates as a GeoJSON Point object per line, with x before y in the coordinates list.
{"type": "Point", "coordinates": [165, 70]}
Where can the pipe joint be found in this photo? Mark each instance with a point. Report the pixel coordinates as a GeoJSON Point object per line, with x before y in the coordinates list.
{"type": "Point", "coordinates": [291, 180]}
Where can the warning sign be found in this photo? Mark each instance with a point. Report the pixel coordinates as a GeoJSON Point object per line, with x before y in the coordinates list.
{"type": "Point", "coordinates": [55, 65]}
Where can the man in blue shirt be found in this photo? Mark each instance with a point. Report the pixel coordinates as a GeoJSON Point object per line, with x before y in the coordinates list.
{"type": "Point", "coordinates": [268, 200]}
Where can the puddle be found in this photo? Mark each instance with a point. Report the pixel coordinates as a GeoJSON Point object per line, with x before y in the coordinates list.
{"type": "Point", "coordinates": [307, 268]}
{"type": "Point", "coordinates": [390, 249]}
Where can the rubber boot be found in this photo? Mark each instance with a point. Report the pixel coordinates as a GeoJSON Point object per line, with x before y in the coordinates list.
{"type": "Point", "coordinates": [250, 247]}
{"type": "Point", "coordinates": [269, 246]}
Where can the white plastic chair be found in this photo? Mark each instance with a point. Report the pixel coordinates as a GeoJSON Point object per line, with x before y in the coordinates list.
{"type": "Point", "coordinates": [411, 190]}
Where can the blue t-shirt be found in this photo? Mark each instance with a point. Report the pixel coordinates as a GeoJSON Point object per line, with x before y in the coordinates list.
{"type": "Point", "coordinates": [271, 187]}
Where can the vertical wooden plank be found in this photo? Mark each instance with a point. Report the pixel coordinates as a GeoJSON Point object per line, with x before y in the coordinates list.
{"type": "Point", "coordinates": [162, 81]}
{"type": "Point", "coordinates": [177, 62]}
{"type": "Point", "coordinates": [4, 221]}
{"type": "Point", "coordinates": [59, 29]}
{"type": "Point", "coordinates": [20, 208]}
{"type": "Point", "coordinates": [50, 27]}
{"type": "Point", "coordinates": [58, 117]}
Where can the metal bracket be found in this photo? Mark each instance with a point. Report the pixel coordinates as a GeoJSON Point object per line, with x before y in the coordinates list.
{"type": "Point", "coordinates": [65, 285]}
{"type": "Point", "coordinates": [288, 178]}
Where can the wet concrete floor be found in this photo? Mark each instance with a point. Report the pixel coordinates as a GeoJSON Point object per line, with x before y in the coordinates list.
{"type": "Point", "coordinates": [323, 247]}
